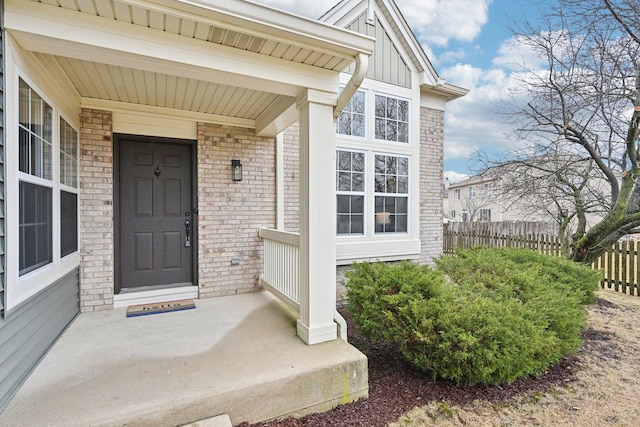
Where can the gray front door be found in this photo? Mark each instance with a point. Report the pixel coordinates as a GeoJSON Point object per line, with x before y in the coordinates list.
{"type": "Point", "coordinates": [155, 201]}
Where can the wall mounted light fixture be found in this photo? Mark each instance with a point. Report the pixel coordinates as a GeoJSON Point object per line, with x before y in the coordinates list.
{"type": "Point", "coordinates": [236, 170]}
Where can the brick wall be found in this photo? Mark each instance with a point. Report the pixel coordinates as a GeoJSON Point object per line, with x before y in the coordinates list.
{"type": "Point", "coordinates": [230, 213]}
{"type": "Point", "coordinates": [431, 163]}
{"type": "Point", "coordinates": [96, 210]}
{"type": "Point", "coordinates": [291, 178]}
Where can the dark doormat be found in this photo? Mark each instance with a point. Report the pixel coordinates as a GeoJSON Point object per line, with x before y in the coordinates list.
{"type": "Point", "coordinates": [160, 307]}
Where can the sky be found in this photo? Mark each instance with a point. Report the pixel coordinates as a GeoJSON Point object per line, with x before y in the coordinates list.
{"type": "Point", "coordinates": [470, 45]}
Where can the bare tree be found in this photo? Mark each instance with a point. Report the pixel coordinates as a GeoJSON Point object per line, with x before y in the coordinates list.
{"type": "Point", "coordinates": [584, 100]}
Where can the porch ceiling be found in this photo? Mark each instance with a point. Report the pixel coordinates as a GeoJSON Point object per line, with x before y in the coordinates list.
{"type": "Point", "coordinates": [232, 59]}
{"type": "Point", "coordinates": [121, 84]}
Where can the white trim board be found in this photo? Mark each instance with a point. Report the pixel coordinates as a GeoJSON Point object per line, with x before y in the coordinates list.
{"type": "Point", "coordinates": [154, 296]}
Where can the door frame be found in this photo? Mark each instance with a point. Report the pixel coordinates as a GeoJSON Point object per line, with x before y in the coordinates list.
{"type": "Point", "coordinates": [117, 140]}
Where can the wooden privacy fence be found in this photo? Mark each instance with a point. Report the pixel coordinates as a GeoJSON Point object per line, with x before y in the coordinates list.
{"type": "Point", "coordinates": [620, 264]}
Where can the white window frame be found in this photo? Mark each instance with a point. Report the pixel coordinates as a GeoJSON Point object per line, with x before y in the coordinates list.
{"type": "Point", "coordinates": [375, 118]}
{"type": "Point", "coordinates": [362, 193]}
{"type": "Point", "coordinates": [19, 288]}
{"type": "Point", "coordinates": [384, 246]}
{"type": "Point", "coordinates": [472, 192]}
{"type": "Point", "coordinates": [456, 194]}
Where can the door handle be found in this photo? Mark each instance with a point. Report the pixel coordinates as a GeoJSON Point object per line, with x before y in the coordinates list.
{"type": "Point", "coordinates": [187, 240]}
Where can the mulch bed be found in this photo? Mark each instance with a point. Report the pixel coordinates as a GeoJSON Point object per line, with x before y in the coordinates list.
{"type": "Point", "coordinates": [395, 388]}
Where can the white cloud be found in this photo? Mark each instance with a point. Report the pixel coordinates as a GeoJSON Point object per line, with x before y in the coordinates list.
{"type": "Point", "coordinates": [434, 21]}
{"type": "Point", "coordinates": [514, 54]}
{"type": "Point", "coordinates": [438, 21]}
{"type": "Point", "coordinates": [454, 177]}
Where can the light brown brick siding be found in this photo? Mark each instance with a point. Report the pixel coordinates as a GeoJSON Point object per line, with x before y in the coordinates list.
{"type": "Point", "coordinates": [96, 210]}
{"type": "Point", "coordinates": [431, 163]}
{"type": "Point", "coordinates": [291, 174]}
{"type": "Point", "coordinates": [230, 213]}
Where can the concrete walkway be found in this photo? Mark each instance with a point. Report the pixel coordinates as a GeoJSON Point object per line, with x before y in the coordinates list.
{"type": "Point", "coordinates": [236, 355]}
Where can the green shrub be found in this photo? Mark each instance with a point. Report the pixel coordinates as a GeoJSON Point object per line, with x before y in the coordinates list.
{"type": "Point", "coordinates": [377, 290]}
{"type": "Point", "coordinates": [504, 314]}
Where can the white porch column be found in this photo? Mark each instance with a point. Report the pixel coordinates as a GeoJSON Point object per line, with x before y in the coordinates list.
{"type": "Point", "coordinates": [317, 217]}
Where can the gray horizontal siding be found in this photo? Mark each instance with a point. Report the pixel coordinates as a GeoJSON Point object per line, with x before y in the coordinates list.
{"type": "Point", "coordinates": [27, 333]}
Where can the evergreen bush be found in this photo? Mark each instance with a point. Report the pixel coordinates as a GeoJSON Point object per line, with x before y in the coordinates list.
{"type": "Point", "coordinates": [485, 316]}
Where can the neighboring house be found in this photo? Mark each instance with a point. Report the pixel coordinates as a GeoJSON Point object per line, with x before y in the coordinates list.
{"type": "Point", "coordinates": [479, 199]}
{"type": "Point", "coordinates": [483, 198]}
{"type": "Point", "coordinates": [125, 123]}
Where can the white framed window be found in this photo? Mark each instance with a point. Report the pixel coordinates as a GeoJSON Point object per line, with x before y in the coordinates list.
{"type": "Point", "coordinates": [391, 119]}
{"type": "Point", "coordinates": [452, 214]}
{"type": "Point", "coordinates": [391, 189]}
{"type": "Point", "coordinates": [350, 183]}
{"type": "Point", "coordinates": [35, 218]}
{"type": "Point", "coordinates": [42, 193]}
{"type": "Point", "coordinates": [352, 120]}
{"type": "Point", "coordinates": [68, 188]}
{"type": "Point", "coordinates": [488, 189]}
{"type": "Point", "coordinates": [485, 215]}
{"type": "Point", "coordinates": [456, 194]}
{"type": "Point", "coordinates": [472, 192]}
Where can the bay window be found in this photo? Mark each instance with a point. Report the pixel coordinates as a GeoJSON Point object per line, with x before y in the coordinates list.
{"type": "Point", "coordinates": [375, 176]}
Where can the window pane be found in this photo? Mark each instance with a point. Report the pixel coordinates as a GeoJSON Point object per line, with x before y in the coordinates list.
{"type": "Point", "coordinates": [352, 120]}
{"type": "Point", "coordinates": [380, 129]}
{"type": "Point", "coordinates": [35, 129]}
{"type": "Point", "coordinates": [358, 182]}
{"type": "Point", "coordinates": [24, 111]}
{"type": "Point", "coordinates": [380, 184]}
{"type": "Point", "coordinates": [358, 102]}
{"type": "Point", "coordinates": [344, 160]}
{"type": "Point", "coordinates": [403, 166]}
{"type": "Point", "coordinates": [24, 151]}
{"type": "Point", "coordinates": [392, 108]}
{"type": "Point", "coordinates": [344, 123]}
{"type": "Point", "coordinates": [403, 184]}
{"type": "Point", "coordinates": [381, 106]}
{"type": "Point", "coordinates": [403, 132]}
{"type": "Point", "coordinates": [343, 224]}
{"type": "Point", "coordinates": [343, 204]}
{"type": "Point", "coordinates": [68, 223]}
{"type": "Point", "coordinates": [391, 130]}
{"type": "Point", "coordinates": [392, 165]}
{"type": "Point", "coordinates": [392, 119]}
{"type": "Point", "coordinates": [35, 225]}
{"type": "Point", "coordinates": [357, 125]}
{"type": "Point", "coordinates": [344, 181]}
{"type": "Point", "coordinates": [380, 164]}
{"type": "Point", "coordinates": [403, 110]}
{"type": "Point", "coordinates": [357, 163]}
{"type": "Point", "coordinates": [350, 218]}
{"type": "Point", "coordinates": [357, 224]}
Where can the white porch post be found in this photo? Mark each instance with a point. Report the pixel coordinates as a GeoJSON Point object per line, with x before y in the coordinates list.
{"type": "Point", "coordinates": [317, 217]}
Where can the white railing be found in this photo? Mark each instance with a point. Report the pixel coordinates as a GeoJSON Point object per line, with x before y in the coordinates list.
{"type": "Point", "coordinates": [281, 273]}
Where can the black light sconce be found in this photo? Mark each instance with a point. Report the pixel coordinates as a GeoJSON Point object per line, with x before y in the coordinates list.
{"type": "Point", "coordinates": [236, 170]}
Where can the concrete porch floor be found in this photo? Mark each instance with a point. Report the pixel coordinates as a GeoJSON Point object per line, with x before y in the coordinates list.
{"type": "Point", "coordinates": [236, 355]}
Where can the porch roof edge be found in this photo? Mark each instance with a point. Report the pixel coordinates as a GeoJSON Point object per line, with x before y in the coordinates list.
{"type": "Point", "coordinates": [270, 21]}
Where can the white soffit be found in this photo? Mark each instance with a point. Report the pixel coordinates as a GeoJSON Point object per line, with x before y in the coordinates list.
{"type": "Point", "coordinates": [226, 58]}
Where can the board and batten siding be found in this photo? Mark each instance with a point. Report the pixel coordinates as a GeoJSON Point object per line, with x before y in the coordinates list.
{"type": "Point", "coordinates": [27, 333]}
{"type": "Point", "coordinates": [386, 64]}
